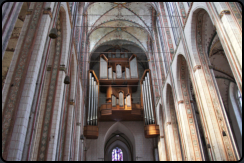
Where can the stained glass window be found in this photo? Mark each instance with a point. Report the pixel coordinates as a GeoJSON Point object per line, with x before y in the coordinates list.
{"type": "Point", "coordinates": [117, 154]}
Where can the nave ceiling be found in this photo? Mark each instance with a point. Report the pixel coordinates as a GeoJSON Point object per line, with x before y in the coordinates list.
{"type": "Point", "coordinates": [119, 23]}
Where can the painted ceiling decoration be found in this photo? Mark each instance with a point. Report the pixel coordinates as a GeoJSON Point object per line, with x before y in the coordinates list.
{"type": "Point", "coordinates": [127, 21]}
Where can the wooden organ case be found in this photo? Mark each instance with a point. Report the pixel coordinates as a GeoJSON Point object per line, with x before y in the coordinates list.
{"type": "Point", "coordinates": [122, 72]}
{"type": "Point", "coordinates": [117, 75]}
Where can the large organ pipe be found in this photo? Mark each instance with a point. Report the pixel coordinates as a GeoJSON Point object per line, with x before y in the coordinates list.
{"type": "Point", "coordinates": [89, 105]}
{"type": "Point", "coordinates": [94, 106]}
{"type": "Point", "coordinates": [147, 103]}
{"type": "Point", "coordinates": [144, 104]}
{"type": "Point", "coordinates": [92, 99]}
{"type": "Point", "coordinates": [149, 119]}
{"type": "Point", "coordinates": [150, 95]}
{"type": "Point", "coordinates": [148, 100]}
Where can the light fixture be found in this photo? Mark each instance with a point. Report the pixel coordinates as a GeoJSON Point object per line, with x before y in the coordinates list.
{"type": "Point", "coordinates": [82, 137]}
{"type": "Point", "coordinates": [66, 79]}
{"type": "Point", "coordinates": [53, 33]}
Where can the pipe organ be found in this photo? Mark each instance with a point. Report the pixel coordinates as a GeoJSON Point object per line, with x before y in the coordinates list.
{"type": "Point", "coordinates": [117, 75]}
{"type": "Point", "coordinates": [147, 101]}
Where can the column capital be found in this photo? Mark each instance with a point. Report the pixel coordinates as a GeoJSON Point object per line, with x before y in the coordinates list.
{"type": "Point", "coordinates": [224, 12]}
{"type": "Point", "coordinates": [197, 67]}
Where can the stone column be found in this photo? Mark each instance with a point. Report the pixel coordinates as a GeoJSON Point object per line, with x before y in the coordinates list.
{"type": "Point", "coordinates": [188, 124]}
{"type": "Point", "coordinates": [10, 12]}
{"type": "Point", "coordinates": [67, 143]}
{"type": "Point", "coordinates": [210, 106]}
{"type": "Point", "coordinates": [228, 27]}
{"type": "Point", "coordinates": [18, 92]}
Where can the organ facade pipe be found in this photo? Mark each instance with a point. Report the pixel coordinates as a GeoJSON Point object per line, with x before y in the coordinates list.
{"type": "Point", "coordinates": [92, 98]}
{"type": "Point", "coordinates": [89, 105]}
{"type": "Point", "coordinates": [148, 101]}
{"type": "Point", "coordinates": [150, 96]}
{"type": "Point", "coordinates": [144, 105]}
{"type": "Point", "coordinates": [95, 102]}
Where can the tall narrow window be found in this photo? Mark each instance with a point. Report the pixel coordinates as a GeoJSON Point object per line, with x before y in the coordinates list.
{"type": "Point", "coordinates": [173, 15]}
{"type": "Point", "coordinates": [239, 100]}
{"type": "Point", "coordinates": [117, 154]}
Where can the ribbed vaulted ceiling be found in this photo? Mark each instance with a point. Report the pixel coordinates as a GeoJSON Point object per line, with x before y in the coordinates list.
{"type": "Point", "coordinates": [119, 23]}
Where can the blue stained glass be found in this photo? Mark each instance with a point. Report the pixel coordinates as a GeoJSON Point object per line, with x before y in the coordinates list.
{"type": "Point", "coordinates": [117, 154]}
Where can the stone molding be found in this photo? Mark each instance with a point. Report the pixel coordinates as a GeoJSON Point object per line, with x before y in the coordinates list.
{"type": "Point", "coordinates": [48, 11]}
{"type": "Point", "coordinates": [62, 68]}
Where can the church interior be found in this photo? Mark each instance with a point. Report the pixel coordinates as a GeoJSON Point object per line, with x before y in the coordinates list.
{"type": "Point", "coordinates": [121, 81]}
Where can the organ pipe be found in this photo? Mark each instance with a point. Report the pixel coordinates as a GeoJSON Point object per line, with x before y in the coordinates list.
{"type": "Point", "coordinates": [94, 106]}
{"type": "Point", "coordinates": [89, 106]}
{"type": "Point", "coordinates": [148, 100]}
{"type": "Point", "coordinates": [150, 96]}
{"type": "Point", "coordinates": [147, 103]}
{"type": "Point", "coordinates": [144, 105]}
{"type": "Point", "coordinates": [92, 98]}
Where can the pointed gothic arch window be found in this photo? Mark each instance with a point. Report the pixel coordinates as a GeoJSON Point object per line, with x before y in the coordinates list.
{"type": "Point", "coordinates": [117, 154]}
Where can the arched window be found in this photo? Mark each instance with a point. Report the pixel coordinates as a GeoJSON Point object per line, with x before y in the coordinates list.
{"type": "Point", "coordinates": [117, 154]}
